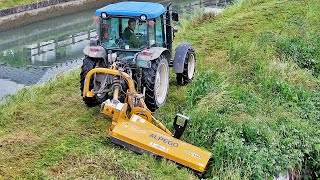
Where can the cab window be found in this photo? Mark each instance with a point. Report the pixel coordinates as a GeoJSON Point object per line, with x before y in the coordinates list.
{"type": "Point", "coordinates": [159, 32]}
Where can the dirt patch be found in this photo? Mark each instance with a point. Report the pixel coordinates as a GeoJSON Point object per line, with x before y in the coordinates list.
{"type": "Point", "coordinates": [3, 1]}
{"type": "Point", "coordinates": [1, 171]}
{"type": "Point", "coordinates": [16, 139]}
{"type": "Point", "coordinates": [94, 167]}
{"type": "Point", "coordinates": [16, 153]}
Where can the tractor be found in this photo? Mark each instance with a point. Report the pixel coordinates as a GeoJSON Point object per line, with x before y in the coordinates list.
{"type": "Point", "coordinates": [126, 70]}
{"type": "Point", "coordinates": [136, 38]}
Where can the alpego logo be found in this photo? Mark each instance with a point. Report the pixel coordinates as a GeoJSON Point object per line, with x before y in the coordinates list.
{"type": "Point", "coordinates": [160, 138]}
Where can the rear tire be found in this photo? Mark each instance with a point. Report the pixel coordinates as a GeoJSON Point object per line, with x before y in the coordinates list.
{"type": "Point", "coordinates": [156, 81]}
{"type": "Point", "coordinates": [187, 75]}
{"type": "Point", "coordinates": [87, 66]}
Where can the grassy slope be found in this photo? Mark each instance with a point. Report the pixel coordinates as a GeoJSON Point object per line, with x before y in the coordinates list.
{"type": "Point", "coordinates": [47, 132]}
{"type": "Point", "coordinates": [256, 99]}
{"type": "Point", "coordinates": [10, 3]}
{"type": "Point", "coordinates": [251, 104]}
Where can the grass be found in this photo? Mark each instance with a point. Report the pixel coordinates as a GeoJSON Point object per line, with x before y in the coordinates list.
{"type": "Point", "coordinates": [10, 3]}
{"type": "Point", "coordinates": [47, 132]}
{"type": "Point", "coordinates": [258, 109]}
{"type": "Point", "coordinates": [253, 103]}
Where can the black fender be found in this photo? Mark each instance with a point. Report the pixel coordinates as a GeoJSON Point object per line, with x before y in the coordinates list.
{"type": "Point", "coordinates": [180, 56]}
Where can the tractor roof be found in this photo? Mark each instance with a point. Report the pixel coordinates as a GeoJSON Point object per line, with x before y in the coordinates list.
{"type": "Point", "coordinates": [152, 10]}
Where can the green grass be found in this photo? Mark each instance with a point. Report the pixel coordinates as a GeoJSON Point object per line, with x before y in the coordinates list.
{"type": "Point", "coordinates": [258, 109]}
{"type": "Point", "coordinates": [10, 3]}
{"type": "Point", "coordinates": [254, 104]}
{"type": "Point", "coordinates": [47, 132]}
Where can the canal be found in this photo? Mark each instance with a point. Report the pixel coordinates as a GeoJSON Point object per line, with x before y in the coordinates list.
{"type": "Point", "coordinates": [34, 53]}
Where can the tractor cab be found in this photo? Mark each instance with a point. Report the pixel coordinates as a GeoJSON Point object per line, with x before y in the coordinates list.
{"type": "Point", "coordinates": [131, 33]}
{"type": "Point", "coordinates": [133, 26]}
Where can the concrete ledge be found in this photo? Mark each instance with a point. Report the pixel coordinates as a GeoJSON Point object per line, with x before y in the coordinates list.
{"type": "Point", "coordinates": [60, 9]}
{"type": "Point", "coordinates": [28, 7]}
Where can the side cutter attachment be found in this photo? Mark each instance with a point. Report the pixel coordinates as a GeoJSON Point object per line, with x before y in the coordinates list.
{"type": "Point", "coordinates": [142, 136]}
{"type": "Point", "coordinates": [134, 127]}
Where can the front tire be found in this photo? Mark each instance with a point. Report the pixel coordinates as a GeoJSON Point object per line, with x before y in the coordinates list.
{"type": "Point", "coordinates": [87, 66]}
{"type": "Point", "coordinates": [187, 75]}
{"type": "Point", "coordinates": [156, 81]}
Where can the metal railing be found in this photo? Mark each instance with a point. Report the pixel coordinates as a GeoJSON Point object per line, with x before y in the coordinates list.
{"type": "Point", "coordinates": [60, 42]}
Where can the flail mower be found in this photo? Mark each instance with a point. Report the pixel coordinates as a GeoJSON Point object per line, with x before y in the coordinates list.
{"type": "Point", "coordinates": [126, 70]}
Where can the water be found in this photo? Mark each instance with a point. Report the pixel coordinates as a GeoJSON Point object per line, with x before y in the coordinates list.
{"type": "Point", "coordinates": [37, 52]}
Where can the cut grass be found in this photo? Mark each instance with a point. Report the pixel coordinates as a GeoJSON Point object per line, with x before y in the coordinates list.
{"type": "Point", "coordinates": [47, 132]}
{"type": "Point", "coordinates": [252, 104]}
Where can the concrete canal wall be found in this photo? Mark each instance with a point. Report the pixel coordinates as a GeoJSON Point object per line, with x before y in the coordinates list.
{"type": "Point", "coordinates": [19, 16]}
{"type": "Point", "coordinates": [22, 15]}
{"type": "Point", "coordinates": [32, 6]}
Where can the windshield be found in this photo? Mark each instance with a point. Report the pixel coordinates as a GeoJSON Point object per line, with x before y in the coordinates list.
{"type": "Point", "coordinates": [124, 33]}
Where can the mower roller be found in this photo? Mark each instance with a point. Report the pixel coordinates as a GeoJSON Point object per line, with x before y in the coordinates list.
{"type": "Point", "coordinates": [140, 132]}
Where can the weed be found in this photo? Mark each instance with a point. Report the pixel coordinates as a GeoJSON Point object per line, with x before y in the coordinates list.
{"type": "Point", "coordinates": [303, 50]}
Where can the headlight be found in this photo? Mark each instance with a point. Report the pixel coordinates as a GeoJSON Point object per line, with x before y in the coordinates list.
{"type": "Point", "coordinates": [104, 15]}
{"type": "Point", "coordinates": [143, 17]}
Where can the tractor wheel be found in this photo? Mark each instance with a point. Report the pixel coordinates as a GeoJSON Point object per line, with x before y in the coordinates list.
{"type": "Point", "coordinates": [87, 65]}
{"type": "Point", "coordinates": [156, 81]}
{"type": "Point", "coordinates": [188, 69]}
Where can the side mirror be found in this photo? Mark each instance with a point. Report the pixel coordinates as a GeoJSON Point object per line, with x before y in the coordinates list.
{"type": "Point", "coordinates": [180, 123]}
{"type": "Point", "coordinates": [175, 16]}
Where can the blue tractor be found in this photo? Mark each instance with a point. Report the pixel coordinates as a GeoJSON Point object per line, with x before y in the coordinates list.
{"type": "Point", "coordinates": [136, 38]}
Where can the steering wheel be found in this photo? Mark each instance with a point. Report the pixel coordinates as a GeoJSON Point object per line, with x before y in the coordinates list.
{"type": "Point", "coordinates": [119, 42]}
{"type": "Point", "coordinates": [139, 34]}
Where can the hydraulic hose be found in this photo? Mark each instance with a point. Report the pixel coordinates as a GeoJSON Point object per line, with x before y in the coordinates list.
{"type": "Point", "coordinates": [88, 93]}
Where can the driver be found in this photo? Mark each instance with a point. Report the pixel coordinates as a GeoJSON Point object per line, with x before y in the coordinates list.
{"type": "Point", "coordinates": [128, 33]}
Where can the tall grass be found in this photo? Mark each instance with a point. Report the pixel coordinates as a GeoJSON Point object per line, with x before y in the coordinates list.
{"type": "Point", "coordinates": [259, 113]}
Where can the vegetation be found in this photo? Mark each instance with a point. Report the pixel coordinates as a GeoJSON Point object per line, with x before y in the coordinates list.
{"type": "Point", "coordinates": [10, 3]}
{"type": "Point", "coordinates": [256, 96]}
{"type": "Point", "coordinates": [254, 103]}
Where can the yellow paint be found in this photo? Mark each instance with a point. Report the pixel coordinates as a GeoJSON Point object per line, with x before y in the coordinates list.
{"type": "Point", "coordinates": [139, 130]}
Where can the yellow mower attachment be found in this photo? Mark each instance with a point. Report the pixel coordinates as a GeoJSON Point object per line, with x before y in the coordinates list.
{"type": "Point", "coordinates": [141, 132]}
